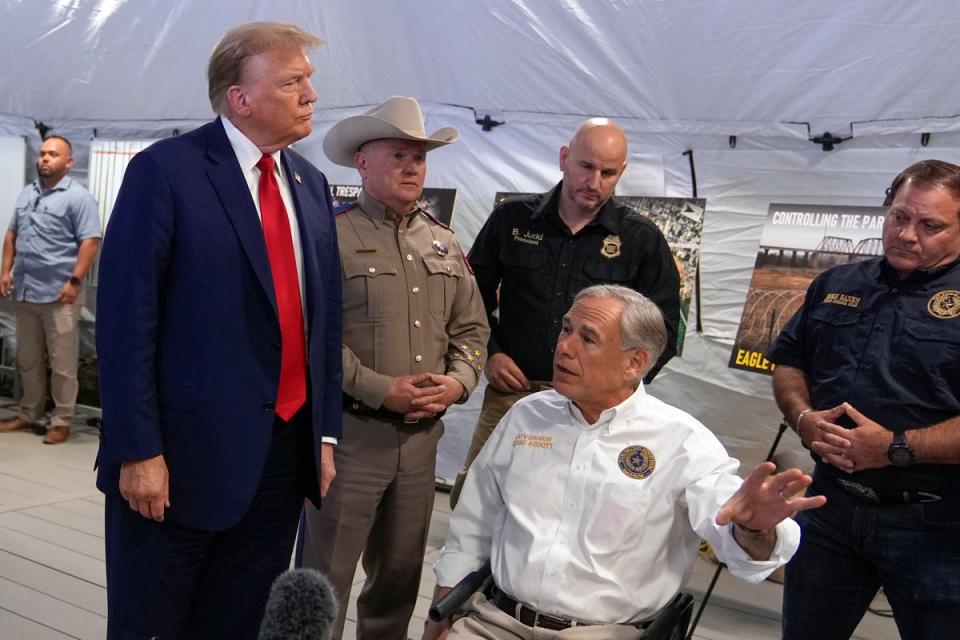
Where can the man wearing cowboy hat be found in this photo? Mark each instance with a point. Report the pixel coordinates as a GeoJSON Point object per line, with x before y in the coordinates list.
{"type": "Point", "coordinates": [413, 340]}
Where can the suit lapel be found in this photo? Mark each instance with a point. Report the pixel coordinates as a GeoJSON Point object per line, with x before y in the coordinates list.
{"type": "Point", "coordinates": [303, 203]}
{"type": "Point", "coordinates": [231, 188]}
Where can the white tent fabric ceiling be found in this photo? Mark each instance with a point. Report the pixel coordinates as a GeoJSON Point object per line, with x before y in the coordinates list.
{"type": "Point", "coordinates": [718, 61]}
{"type": "Point", "coordinates": [679, 75]}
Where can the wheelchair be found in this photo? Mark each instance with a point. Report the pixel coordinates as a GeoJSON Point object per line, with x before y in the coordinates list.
{"type": "Point", "coordinates": [671, 623]}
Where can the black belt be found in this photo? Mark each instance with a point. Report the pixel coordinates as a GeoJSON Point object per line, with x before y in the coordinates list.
{"type": "Point", "coordinates": [887, 496]}
{"type": "Point", "coordinates": [530, 616]}
{"type": "Point", "coordinates": [357, 408]}
{"type": "Point", "coordinates": [526, 615]}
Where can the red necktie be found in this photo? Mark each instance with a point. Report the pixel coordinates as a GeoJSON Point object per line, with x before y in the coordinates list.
{"type": "Point", "coordinates": [292, 392]}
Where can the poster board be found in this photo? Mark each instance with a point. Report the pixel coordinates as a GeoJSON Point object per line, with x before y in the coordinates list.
{"type": "Point", "coordinates": [799, 242]}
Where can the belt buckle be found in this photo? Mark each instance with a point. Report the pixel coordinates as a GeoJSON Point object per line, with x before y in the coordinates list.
{"type": "Point", "coordinates": [547, 621]}
{"type": "Point", "coordinates": [407, 420]}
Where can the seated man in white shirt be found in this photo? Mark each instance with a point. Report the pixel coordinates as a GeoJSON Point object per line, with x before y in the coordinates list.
{"type": "Point", "coordinates": [591, 499]}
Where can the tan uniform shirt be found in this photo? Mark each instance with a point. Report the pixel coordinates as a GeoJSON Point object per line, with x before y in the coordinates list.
{"type": "Point", "coordinates": [410, 304]}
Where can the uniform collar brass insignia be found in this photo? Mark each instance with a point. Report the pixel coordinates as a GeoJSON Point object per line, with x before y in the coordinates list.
{"type": "Point", "coordinates": [637, 462]}
{"type": "Point", "coordinates": [440, 248]}
{"type": "Point", "coordinates": [945, 304]}
{"type": "Point", "coordinates": [611, 246]}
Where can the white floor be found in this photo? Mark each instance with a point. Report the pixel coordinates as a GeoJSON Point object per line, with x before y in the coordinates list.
{"type": "Point", "coordinates": [51, 555]}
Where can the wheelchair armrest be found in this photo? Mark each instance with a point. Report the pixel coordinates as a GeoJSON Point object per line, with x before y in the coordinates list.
{"type": "Point", "coordinates": [672, 621]}
{"type": "Point", "coordinates": [460, 593]}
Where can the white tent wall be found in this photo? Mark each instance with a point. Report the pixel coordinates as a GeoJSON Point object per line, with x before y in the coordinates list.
{"type": "Point", "coordinates": [677, 76]}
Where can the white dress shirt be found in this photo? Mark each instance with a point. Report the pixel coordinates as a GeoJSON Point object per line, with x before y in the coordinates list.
{"type": "Point", "coordinates": [572, 534]}
{"type": "Point", "coordinates": [248, 155]}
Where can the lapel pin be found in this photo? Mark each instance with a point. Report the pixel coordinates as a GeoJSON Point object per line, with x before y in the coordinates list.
{"type": "Point", "coordinates": [296, 176]}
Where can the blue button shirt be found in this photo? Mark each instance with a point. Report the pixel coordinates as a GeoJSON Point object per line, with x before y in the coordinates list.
{"type": "Point", "coordinates": [50, 225]}
{"type": "Point", "coordinates": [889, 347]}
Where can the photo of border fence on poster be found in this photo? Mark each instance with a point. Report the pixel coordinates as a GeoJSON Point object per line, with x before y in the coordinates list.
{"type": "Point", "coordinates": [799, 242]}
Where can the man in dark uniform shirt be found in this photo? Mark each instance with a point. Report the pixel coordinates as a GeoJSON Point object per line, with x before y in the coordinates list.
{"type": "Point", "coordinates": [868, 373]}
{"type": "Point", "coordinates": [535, 253]}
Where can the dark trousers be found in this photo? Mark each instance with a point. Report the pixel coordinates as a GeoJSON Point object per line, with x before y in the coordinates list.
{"type": "Point", "coordinates": [850, 548]}
{"type": "Point", "coordinates": [169, 581]}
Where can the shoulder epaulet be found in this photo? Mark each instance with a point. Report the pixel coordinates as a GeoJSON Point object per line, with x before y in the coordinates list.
{"type": "Point", "coordinates": [434, 219]}
{"type": "Point", "coordinates": [345, 207]}
{"type": "Point", "coordinates": [520, 198]}
{"type": "Point", "coordinates": [633, 214]}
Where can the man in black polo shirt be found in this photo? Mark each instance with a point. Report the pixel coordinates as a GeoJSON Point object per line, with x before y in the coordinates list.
{"type": "Point", "coordinates": [535, 253]}
{"type": "Point", "coordinates": [868, 373]}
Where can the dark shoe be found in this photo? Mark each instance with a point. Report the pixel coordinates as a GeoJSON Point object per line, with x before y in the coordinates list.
{"type": "Point", "coordinates": [16, 424]}
{"type": "Point", "coordinates": [56, 435]}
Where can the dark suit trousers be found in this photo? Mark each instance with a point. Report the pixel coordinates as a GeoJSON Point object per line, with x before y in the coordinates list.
{"type": "Point", "coordinates": [379, 506]}
{"type": "Point", "coordinates": [166, 580]}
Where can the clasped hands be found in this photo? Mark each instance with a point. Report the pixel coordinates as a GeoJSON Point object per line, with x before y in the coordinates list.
{"type": "Point", "coordinates": [863, 447]}
{"type": "Point", "coordinates": [422, 395]}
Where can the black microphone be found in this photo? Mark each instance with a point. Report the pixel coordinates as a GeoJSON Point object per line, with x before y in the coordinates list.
{"type": "Point", "coordinates": [301, 606]}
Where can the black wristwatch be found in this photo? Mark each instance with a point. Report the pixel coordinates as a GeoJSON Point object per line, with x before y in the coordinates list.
{"type": "Point", "coordinates": [900, 454]}
{"type": "Point", "coordinates": [75, 281]}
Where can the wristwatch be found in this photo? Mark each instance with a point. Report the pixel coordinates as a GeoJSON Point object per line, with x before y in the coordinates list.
{"type": "Point", "coordinates": [75, 281]}
{"type": "Point", "coordinates": [900, 454]}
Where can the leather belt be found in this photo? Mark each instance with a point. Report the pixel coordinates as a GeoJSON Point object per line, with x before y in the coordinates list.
{"type": "Point", "coordinates": [887, 496]}
{"type": "Point", "coordinates": [357, 408]}
{"type": "Point", "coordinates": [527, 615]}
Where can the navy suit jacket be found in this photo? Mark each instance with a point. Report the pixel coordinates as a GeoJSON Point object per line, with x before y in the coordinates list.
{"type": "Point", "coordinates": [188, 339]}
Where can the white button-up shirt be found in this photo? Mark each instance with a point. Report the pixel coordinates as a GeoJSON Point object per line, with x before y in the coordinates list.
{"type": "Point", "coordinates": [248, 155]}
{"type": "Point", "coordinates": [601, 522]}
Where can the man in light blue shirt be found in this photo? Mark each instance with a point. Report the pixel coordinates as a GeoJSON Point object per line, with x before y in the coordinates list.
{"type": "Point", "coordinates": [53, 238]}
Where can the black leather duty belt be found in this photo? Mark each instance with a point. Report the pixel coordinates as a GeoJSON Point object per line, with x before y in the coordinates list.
{"type": "Point", "coordinates": [529, 616]}
{"type": "Point", "coordinates": [357, 408]}
{"type": "Point", "coordinates": [887, 496]}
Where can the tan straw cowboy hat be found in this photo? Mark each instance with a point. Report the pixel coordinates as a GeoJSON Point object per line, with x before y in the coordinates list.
{"type": "Point", "coordinates": [398, 117]}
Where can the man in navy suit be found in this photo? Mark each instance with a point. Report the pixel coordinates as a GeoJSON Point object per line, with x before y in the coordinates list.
{"type": "Point", "coordinates": [219, 343]}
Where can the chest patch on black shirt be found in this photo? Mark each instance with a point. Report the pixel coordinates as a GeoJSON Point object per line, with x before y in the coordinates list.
{"type": "Point", "coordinates": [527, 237]}
{"type": "Point", "coordinates": [842, 299]}
{"type": "Point", "coordinates": [945, 304]}
{"type": "Point", "coordinates": [611, 247]}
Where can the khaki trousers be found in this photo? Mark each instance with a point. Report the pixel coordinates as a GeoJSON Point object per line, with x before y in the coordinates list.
{"type": "Point", "coordinates": [496, 403]}
{"type": "Point", "coordinates": [47, 329]}
{"type": "Point", "coordinates": [484, 621]}
{"type": "Point", "coordinates": [379, 505]}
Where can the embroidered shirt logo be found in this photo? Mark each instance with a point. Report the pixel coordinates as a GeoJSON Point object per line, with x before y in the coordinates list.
{"type": "Point", "coordinates": [945, 304]}
{"type": "Point", "coordinates": [527, 237]}
{"type": "Point", "coordinates": [842, 298]}
{"type": "Point", "coordinates": [535, 440]}
{"type": "Point", "coordinates": [637, 462]}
